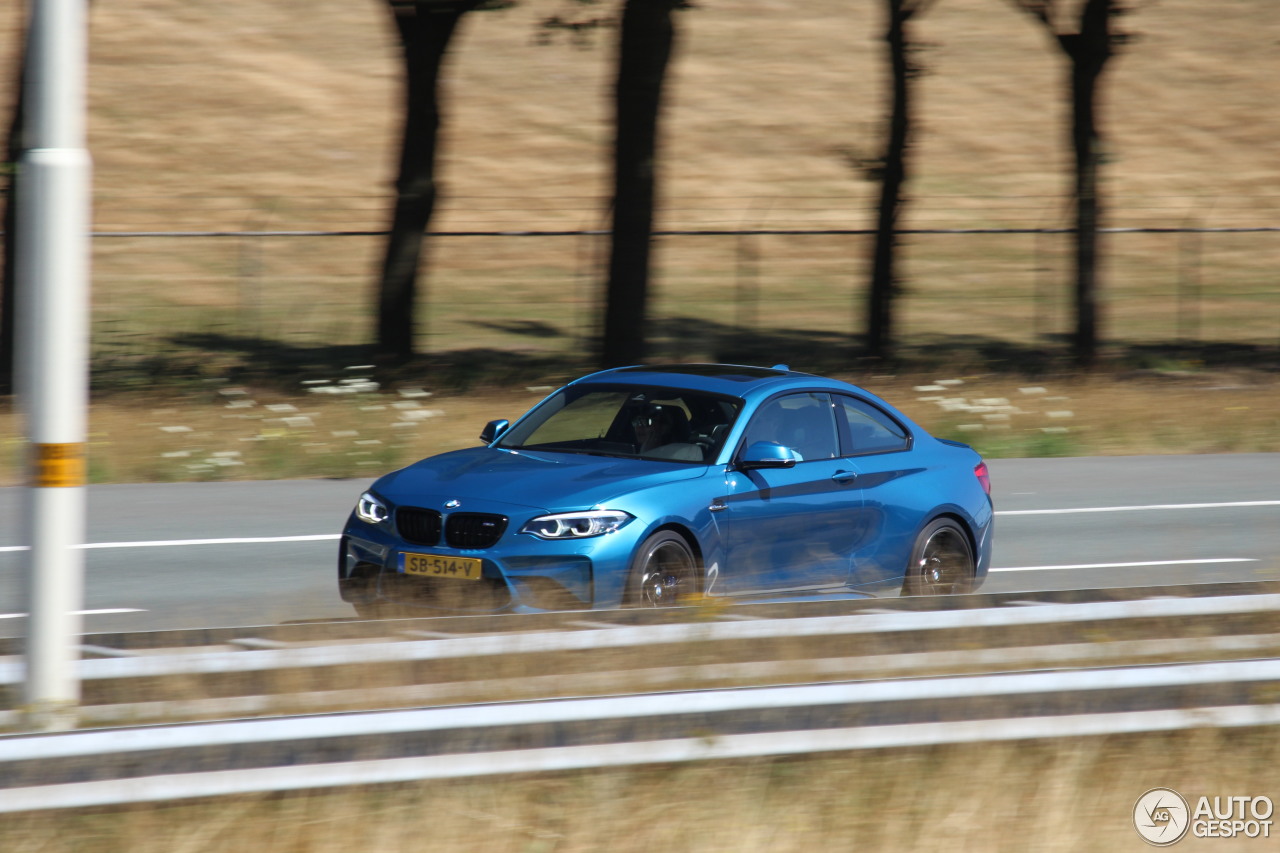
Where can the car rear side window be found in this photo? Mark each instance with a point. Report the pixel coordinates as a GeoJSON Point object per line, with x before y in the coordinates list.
{"type": "Point", "coordinates": [870, 429]}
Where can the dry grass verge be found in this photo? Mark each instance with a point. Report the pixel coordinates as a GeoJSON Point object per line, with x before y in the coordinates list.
{"type": "Point", "coordinates": [1062, 795]}
{"type": "Point", "coordinates": [228, 432]}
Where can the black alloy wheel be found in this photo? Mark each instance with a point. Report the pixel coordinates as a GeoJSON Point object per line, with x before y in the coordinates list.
{"type": "Point", "coordinates": [663, 572]}
{"type": "Point", "coordinates": [941, 561]}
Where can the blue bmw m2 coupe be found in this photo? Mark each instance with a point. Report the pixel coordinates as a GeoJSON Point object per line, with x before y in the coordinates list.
{"type": "Point", "coordinates": [651, 486]}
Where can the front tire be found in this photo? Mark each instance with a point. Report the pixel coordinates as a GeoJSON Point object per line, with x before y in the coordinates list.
{"type": "Point", "coordinates": [941, 561]}
{"type": "Point", "coordinates": [663, 571]}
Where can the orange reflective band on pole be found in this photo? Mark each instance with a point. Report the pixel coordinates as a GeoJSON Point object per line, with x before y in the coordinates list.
{"type": "Point", "coordinates": [58, 466]}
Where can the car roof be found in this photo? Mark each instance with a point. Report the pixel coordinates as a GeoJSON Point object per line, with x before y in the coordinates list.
{"type": "Point", "coordinates": [735, 380]}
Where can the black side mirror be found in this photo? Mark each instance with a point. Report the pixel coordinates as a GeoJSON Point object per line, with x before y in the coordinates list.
{"type": "Point", "coordinates": [493, 429]}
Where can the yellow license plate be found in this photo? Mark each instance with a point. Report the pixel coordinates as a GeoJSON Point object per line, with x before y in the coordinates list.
{"type": "Point", "coordinates": [440, 566]}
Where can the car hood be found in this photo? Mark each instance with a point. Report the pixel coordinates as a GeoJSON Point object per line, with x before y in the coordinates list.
{"type": "Point", "coordinates": [544, 481]}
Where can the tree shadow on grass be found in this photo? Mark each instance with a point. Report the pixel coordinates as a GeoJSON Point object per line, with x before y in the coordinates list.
{"type": "Point", "coordinates": [194, 361]}
{"type": "Point", "coordinates": [190, 361]}
{"type": "Point", "coordinates": [522, 328]}
{"type": "Point", "coordinates": [827, 352]}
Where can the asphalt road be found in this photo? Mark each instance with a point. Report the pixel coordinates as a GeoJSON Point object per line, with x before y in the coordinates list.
{"type": "Point", "coordinates": [175, 555]}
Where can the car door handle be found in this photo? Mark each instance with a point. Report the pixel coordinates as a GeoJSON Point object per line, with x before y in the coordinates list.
{"type": "Point", "coordinates": [845, 476]}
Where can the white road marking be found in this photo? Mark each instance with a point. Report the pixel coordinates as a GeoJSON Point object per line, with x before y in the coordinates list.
{"type": "Point", "coordinates": [258, 540]}
{"type": "Point", "coordinates": [82, 612]}
{"type": "Point", "coordinates": [1145, 508]}
{"type": "Point", "coordinates": [165, 543]}
{"type": "Point", "coordinates": [1203, 562]}
{"type": "Point", "coordinates": [328, 537]}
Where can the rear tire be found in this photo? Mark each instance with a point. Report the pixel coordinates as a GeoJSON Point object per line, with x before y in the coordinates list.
{"type": "Point", "coordinates": [663, 571]}
{"type": "Point", "coordinates": [941, 561]}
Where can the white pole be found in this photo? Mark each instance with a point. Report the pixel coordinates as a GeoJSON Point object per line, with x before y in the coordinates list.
{"type": "Point", "coordinates": [52, 254]}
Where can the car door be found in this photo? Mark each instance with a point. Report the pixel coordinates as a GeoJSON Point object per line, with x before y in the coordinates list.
{"type": "Point", "coordinates": [791, 528]}
{"type": "Point", "coordinates": [878, 449]}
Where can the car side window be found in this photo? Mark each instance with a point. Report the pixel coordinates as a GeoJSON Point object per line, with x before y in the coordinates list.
{"type": "Point", "coordinates": [802, 422]}
{"type": "Point", "coordinates": [870, 429]}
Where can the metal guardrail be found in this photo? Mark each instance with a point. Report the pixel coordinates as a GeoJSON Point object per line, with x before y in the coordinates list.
{"type": "Point", "coordinates": [138, 765]}
{"type": "Point", "coordinates": [344, 630]}
{"type": "Point", "coordinates": [650, 636]}
{"type": "Point", "coordinates": [875, 677]}
{"type": "Point", "coordinates": [344, 664]}
{"type": "Point", "coordinates": [645, 637]}
{"type": "Point", "coordinates": [416, 769]}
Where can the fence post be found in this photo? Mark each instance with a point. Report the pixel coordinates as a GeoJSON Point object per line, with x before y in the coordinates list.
{"type": "Point", "coordinates": [1037, 285]}
{"type": "Point", "coordinates": [586, 286]}
{"type": "Point", "coordinates": [746, 302]}
{"type": "Point", "coordinates": [596, 264]}
{"type": "Point", "coordinates": [747, 269]}
{"type": "Point", "coordinates": [248, 269]}
{"type": "Point", "coordinates": [1189, 295]}
{"type": "Point", "coordinates": [1042, 319]}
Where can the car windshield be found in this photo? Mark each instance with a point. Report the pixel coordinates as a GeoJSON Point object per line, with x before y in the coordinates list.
{"type": "Point", "coordinates": [668, 424]}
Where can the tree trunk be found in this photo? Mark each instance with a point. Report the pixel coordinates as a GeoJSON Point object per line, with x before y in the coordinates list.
{"type": "Point", "coordinates": [1089, 52]}
{"type": "Point", "coordinates": [425, 30]}
{"type": "Point", "coordinates": [644, 50]}
{"type": "Point", "coordinates": [884, 285]}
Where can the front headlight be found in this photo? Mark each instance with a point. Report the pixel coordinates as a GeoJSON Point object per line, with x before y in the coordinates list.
{"type": "Point", "coordinates": [577, 525]}
{"type": "Point", "coordinates": [369, 508]}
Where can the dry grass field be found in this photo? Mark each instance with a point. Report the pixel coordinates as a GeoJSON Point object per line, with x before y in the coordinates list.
{"type": "Point", "coordinates": [243, 115]}
{"type": "Point", "coordinates": [242, 112]}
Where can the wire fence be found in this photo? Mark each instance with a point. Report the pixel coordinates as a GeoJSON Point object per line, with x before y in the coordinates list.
{"type": "Point", "coordinates": [540, 290]}
{"type": "Point", "coordinates": [283, 280]}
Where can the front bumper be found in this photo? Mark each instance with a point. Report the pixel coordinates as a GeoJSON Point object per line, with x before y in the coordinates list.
{"type": "Point", "coordinates": [520, 573]}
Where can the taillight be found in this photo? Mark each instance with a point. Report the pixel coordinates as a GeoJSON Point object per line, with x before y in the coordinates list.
{"type": "Point", "coordinates": [984, 477]}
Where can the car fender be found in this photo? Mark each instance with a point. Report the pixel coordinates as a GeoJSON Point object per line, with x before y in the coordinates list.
{"type": "Point", "coordinates": [695, 521]}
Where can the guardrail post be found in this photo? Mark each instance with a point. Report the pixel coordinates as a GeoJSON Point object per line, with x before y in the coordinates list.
{"type": "Point", "coordinates": [53, 276]}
